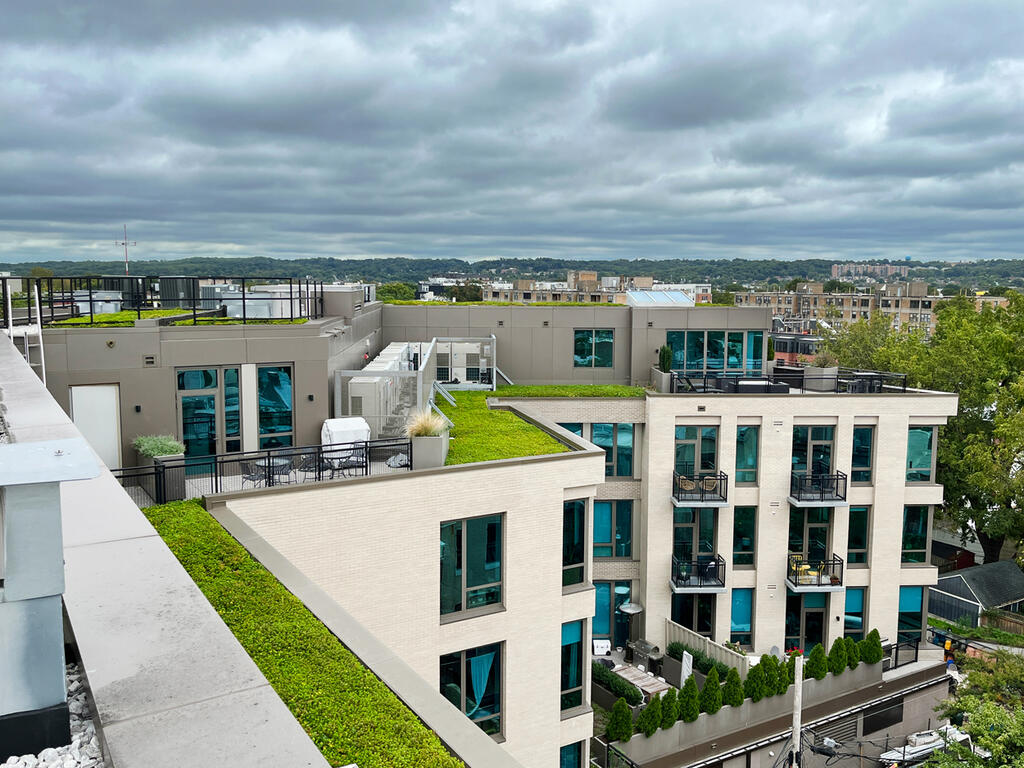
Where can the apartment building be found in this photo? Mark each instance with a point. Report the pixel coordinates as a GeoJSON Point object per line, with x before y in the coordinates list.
{"type": "Point", "coordinates": [878, 271]}
{"type": "Point", "coordinates": [585, 287]}
{"type": "Point", "coordinates": [747, 502]}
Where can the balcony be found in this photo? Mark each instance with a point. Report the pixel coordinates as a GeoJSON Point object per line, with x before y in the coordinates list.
{"type": "Point", "coordinates": [705, 575]}
{"type": "Point", "coordinates": [814, 575]}
{"type": "Point", "coordinates": [700, 489]}
{"type": "Point", "coordinates": [810, 489]}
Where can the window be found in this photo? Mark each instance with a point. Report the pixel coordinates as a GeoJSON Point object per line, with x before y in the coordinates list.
{"type": "Point", "coordinates": [201, 378]}
{"type": "Point", "coordinates": [755, 350]}
{"type": "Point", "coordinates": [915, 534]}
{"type": "Point", "coordinates": [809, 532]}
{"type": "Point", "coordinates": [812, 449]}
{"type": "Point", "coordinates": [746, 454]}
{"type": "Point", "coordinates": [863, 440]}
{"type": "Point", "coordinates": [274, 387]}
{"type": "Point", "coordinates": [744, 526]}
{"type": "Point", "coordinates": [471, 680]}
{"type": "Point", "coordinates": [613, 528]}
{"type": "Point", "coordinates": [617, 441]}
{"type": "Point", "coordinates": [696, 444]}
{"type": "Point", "coordinates": [883, 716]}
{"type": "Point", "coordinates": [920, 442]}
{"type": "Point", "coordinates": [572, 426]}
{"type": "Point", "coordinates": [232, 412]}
{"type": "Point", "coordinates": [910, 621]}
{"type": "Point", "coordinates": [715, 350]}
{"type": "Point", "coordinates": [443, 367]}
{"type": "Point", "coordinates": [470, 564]}
{"type": "Point", "coordinates": [609, 622]}
{"type": "Point", "coordinates": [854, 624]}
{"type": "Point", "coordinates": [571, 756]}
{"type": "Point", "coordinates": [695, 612]}
{"type": "Point", "coordinates": [741, 620]}
{"type": "Point", "coordinates": [857, 543]}
{"type": "Point", "coordinates": [572, 665]}
{"type": "Point", "coordinates": [734, 350]}
{"type": "Point", "coordinates": [573, 541]}
{"type": "Point", "coordinates": [593, 348]}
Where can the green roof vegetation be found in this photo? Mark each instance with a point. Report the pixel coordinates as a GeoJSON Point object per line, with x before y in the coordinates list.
{"type": "Point", "coordinates": [570, 390]}
{"type": "Point", "coordinates": [577, 304]}
{"type": "Point", "coordinates": [481, 434]}
{"type": "Point", "coordinates": [983, 633]}
{"type": "Point", "coordinates": [238, 321]}
{"type": "Point", "coordinates": [125, 318]}
{"type": "Point", "coordinates": [349, 714]}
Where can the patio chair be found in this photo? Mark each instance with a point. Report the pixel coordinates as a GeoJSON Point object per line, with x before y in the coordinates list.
{"type": "Point", "coordinates": [253, 473]}
{"type": "Point", "coordinates": [686, 485]}
{"type": "Point", "coordinates": [709, 484]}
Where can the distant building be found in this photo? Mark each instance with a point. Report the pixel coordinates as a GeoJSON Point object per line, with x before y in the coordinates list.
{"type": "Point", "coordinates": [882, 271]}
{"type": "Point", "coordinates": [585, 287]}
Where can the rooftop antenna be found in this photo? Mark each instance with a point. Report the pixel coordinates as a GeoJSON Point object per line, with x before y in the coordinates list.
{"type": "Point", "coordinates": [126, 242]}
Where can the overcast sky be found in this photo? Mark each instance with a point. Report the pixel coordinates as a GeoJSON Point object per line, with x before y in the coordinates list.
{"type": "Point", "coordinates": [594, 129]}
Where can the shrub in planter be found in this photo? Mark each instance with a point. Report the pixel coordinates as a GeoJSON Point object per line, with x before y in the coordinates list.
{"type": "Point", "coordinates": [620, 724]}
{"type": "Point", "coordinates": [871, 648]}
{"type": "Point", "coordinates": [711, 694]}
{"type": "Point", "coordinates": [669, 709]}
{"type": "Point", "coordinates": [784, 677]}
{"type": "Point", "coordinates": [650, 719]}
{"type": "Point", "coordinates": [689, 704]}
{"type": "Point", "coordinates": [771, 674]}
{"type": "Point", "coordinates": [837, 656]}
{"type": "Point", "coordinates": [732, 692]}
{"type": "Point", "coordinates": [158, 445]}
{"type": "Point", "coordinates": [754, 686]}
{"type": "Point", "coordinates": [665, 358]}
{"type": "Point", "coordinates": [852, 653]}
{"type": "Point", "coordinates": [619, 687]}
{"type": "Point", "coordinates": [817, 663]}
{"type": "Point", "coordinates": [701, 661]}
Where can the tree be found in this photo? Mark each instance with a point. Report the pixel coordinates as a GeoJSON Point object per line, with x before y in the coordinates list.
{"type": "Point", "coordinates": [620, 724]}
{"type": "Point", "coordinates": [871, 648]}
{"type": "Point", "coordinates": [837, 656]}
{"type": "Point", "coordinates": [665, 358]}
{"type": "Point", "coordinates": [770, 665]}
{"type": "Point", "coordinates": [689, 701]}
{"type": "Point", "coordinates": [754, 686]}
{"type": "Point", "coordinates": [791, 666]}
{"type": "Point", "coordinates": [792, 284]}
{"type": "Point", "coordinates": [837, 286]}
{"type": "Point", "coordinates": [771, 349]}
{"type": "Point", "coordinates": [852, 653]}
{"type": "Point", "coordinates": [711, 693]}
{"type": "Point", "coordinates": [952, 289]}
{"type": "Point", "coordinates": [650, 718]}
{"type": "Point", "coordinates": [40, 272]}
{"type": "Point", "coordinates": [732, 691]}
{"type": "Point", "coordinates": [817, 663]}
{"type": "Point", "coordinates": [396, 292]}
{"type": "Point", "coordinates": [466, 292]}
{"type": "Point", "coordinates": [669, 709]}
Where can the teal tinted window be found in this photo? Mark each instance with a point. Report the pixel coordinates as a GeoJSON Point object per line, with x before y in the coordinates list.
{"type": "Point", "coordinates": [274, 389]}
{"type": "Point", "coordinates": [601, 625]}
{"type": "Point", "coordinates": [583, 349]}
{"type": "Point", "coordinates": [734, 350]}
{"type": "Point", "coordinates": [623, 528]}
{"type": "Point", "coordinates": [863, 437]}
{"type": "Point", "coordinates": [572, 665]}
{"type": "Point", "coordinates": [571, 756]}
{"type": "Point", "coordinates": [920, 442]}
{"type": "Point", "coordinates": [744, 527]}
{"type": "Point", "coordinates": [746, 454]}
{"type": "Point", "coordinates": [915, 534]}
{"type": "Point", "coordinates": [677, 341]}
{"type": "Point", "coordinates": [471, 680]}
{"type": "Point", "coordinates": [800, 446]}
{"type": "Point", "coordinates": [603, 529]}
{"type": "Point", "coordinates": [854, 623]}
{"type": "Point", "coordinates": [593, 348]}
{"type": "Point", "coordinates": [613, 528]}
{"type": "Point", "coordinates": [709, 448]}
{"type": "Point", "coordinates": [232, 422]}
{"type": "Point", "coordinates": [603, 347]}
{"type": "Point", "coordinates": [716, 350]}
{"type": "Point", "coordinates": [471, 553]}
{"type": "Point", "coordinates": [573, 541]}
{"type": "Point", "coordinates": [911, 616]}
{"type": "Point", "coordinates": [275, 441]}
{"type": "Point", "coordinates": [741, 619]}
{"type": "Point", "coordinates": [574, 426]}
{"type": "Point", "coordinates": [624, 450]}
{"type": "Point", "coordinates": [755, 350]}
{"type": "Point", "coordinates": [857, 543]}
{"type": "Point", "coordinates": [200, 378]}
{"type": "Point", "coordinates": [694, 350]}
{"type": "Point", "coordinates": [603, 436]}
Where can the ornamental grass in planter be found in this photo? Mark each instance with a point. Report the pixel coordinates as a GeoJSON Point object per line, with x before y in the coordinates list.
{"type": "Point", "coordinates": [429, 434]}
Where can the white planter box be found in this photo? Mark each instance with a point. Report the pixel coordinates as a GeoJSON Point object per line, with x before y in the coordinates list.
{"type": "Point", "coordinates": [429, 452]}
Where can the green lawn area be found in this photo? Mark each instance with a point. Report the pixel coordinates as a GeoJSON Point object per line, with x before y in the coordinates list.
{"type": "Point", "coordinates": [577, 304]}
{"type": "Point", "coordinates": [481, 434]}
{"type": "Point", "coordinates": [126, 318]}
{"type": "Point", "coordinates": [571, 390]}
{"type": "Point", "coordinates": [349, 714]}
{"type": "Point", "coordinates": [986, 634]}
{"type": "Point", "coordinates": [238, 321]}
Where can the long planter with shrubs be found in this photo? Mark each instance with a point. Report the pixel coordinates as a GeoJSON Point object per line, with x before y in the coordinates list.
{"type": "Point", "coordinates": [619, 687]}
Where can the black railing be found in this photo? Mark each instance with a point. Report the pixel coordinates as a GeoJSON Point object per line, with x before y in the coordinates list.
{"type": "Point", "coordinates": [814, 572]}
{"type": "Point", "coordinates": [616, 759]}
{"type": "Point", "coordinates": [707, 571]}
{"type": "Point", "coordinates": [87, 300]}
{"type": "Point", "coordinates": [193, 476]}
{"type": "Point", "coordinates": [786, 379]}
{"type": "Point", "coordinates": [697, 486]}
{"type": "Point", "coordinates": [901, 653]}
{"type": "Point", "coordinates": [818, 487]}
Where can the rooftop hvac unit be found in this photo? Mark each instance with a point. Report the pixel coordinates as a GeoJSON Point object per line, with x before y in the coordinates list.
{"type": "Point", "coordinates": [922, 737]}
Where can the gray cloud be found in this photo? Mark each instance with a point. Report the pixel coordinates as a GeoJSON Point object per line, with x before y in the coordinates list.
{"type": "Point", "coordinates": [656, 129]}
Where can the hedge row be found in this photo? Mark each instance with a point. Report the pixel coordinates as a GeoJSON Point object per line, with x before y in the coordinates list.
{"type": "Point", "coordinates": [701, 661]}
{"type": "Point", "coordinates": [619, 687]}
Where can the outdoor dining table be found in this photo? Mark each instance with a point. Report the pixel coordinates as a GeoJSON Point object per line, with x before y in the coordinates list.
{"type": "Point", "coordinates": [649, 685]}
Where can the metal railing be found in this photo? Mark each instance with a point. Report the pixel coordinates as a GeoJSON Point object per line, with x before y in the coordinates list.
{"type": "Point", "coordinates": [844, 380]}
{"type": "Point", "coordinates": [814, 572]}
{"type": "Point", "coordinates": [700, 486]}
{"type": "Point", "coordinates": [194, 476]}
{"type": "Point", "coordinates": [92, 297]}
{"type": "Point", "coordinates": [901, 653]}
{"type": "Point", "coordinates": [707, 571]}
{"type": "Point", "coordinates": [812, 486]}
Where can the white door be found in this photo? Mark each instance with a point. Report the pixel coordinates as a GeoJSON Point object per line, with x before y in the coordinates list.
{"type": "Point", "coordinates": [96, 411]}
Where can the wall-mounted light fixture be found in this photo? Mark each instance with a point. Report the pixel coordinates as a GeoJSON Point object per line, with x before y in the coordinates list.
{"type": "Point", "coordinates": [310, 398]}
{"type": "Point", "coordinates": [138, 409]}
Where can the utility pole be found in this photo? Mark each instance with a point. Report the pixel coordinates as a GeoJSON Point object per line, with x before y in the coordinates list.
{"type": "Point", "coordinates": [798, 684]}
{"type": "Point", "coordinates": [125, 243]}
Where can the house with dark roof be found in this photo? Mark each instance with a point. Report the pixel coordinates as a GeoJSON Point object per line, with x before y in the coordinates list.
{"type": "Point", "coordinates": [968, 592]}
